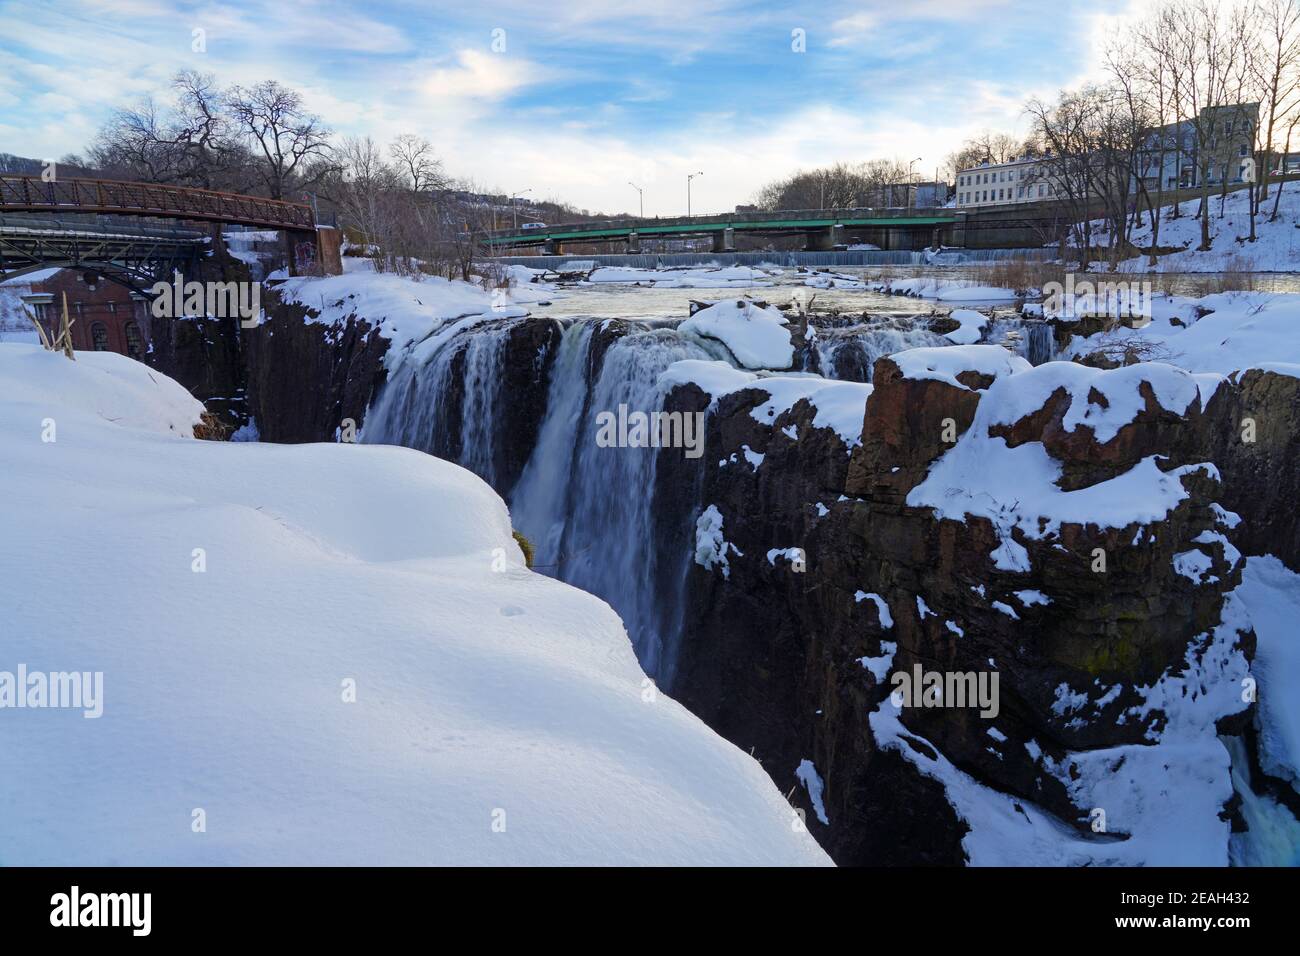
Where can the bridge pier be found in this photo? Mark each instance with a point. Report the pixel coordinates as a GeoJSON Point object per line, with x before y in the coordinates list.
{"type": "Point", "coordinates": [316, 253]}
{"type": "Point", "coordinates": [552, 247]}
{"type": "Point", "coordinates": [724, 240]}
{"type": "Point", "coordinates": [825, 240]}
{"type": "Point", "coordinates": [633, 243]}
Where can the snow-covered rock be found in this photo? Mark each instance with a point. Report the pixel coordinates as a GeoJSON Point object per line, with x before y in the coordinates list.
{"type": "Point", "coordinates": [755, 334]}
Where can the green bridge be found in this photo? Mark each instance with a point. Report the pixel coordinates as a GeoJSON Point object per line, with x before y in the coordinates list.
{"type": "Point", "coordinates": [822, 228]}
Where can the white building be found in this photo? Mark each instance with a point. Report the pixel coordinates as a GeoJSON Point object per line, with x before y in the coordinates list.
{"type": "Point", "coordinates": [991, 184]}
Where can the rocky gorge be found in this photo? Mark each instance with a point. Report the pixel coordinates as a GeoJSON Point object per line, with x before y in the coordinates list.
{"type": "Point", "coordinates": [886, 500]}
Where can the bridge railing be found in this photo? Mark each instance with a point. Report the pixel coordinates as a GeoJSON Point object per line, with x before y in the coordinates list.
{"type": "Point", "coordinates": [33, 194]}
{"type": "Point", "coordinates": [728, 218]}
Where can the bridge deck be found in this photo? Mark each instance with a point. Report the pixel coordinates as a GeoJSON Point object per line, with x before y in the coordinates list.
{"type": "Point", "coordinates": [25, 194]}
{"type": "Point", "coordinates": [700, 225]}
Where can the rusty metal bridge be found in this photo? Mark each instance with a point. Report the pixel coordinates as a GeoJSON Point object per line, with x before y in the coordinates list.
{"type": "Point", "coordinates": [132, 233]}
{"type": "Point", "coordinates": [32, 194]}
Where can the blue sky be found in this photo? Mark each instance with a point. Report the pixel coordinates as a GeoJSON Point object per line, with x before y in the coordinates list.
{"type": "Point", "coordinates": [585, 95]}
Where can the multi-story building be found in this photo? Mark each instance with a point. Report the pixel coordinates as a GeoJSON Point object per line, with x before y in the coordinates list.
{"type": "Point", "coordinates": [1171, 155]}
{"type": "Point", "coordinates": [106, 317]}
{"type": "Point", "coordinates": [1020, 180]}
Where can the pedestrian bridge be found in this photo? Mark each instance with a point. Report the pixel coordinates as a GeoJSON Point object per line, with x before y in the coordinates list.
{"type": "Point", "coordinates": [134, 233]}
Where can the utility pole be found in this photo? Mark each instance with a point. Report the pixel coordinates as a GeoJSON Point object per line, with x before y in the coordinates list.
{"type": "Point", "coordinates": [515, 209]}
{"type": "Point", "coordinates": [641, 194]}
{"type": "Point", "coordinates": [911, 190]}
{"type": "Point", "coordinates": [688, 192]}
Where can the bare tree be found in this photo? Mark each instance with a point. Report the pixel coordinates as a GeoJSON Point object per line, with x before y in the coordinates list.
{"type": "Point", "coordinates": [284, 135]}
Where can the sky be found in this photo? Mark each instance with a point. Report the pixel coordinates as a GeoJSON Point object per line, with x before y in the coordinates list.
{"type": "Point", "coordinates": [574, 100]}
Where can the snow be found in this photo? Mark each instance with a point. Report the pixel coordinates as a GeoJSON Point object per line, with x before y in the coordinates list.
{"type": "Point", "coordinates": [500, 716]}
{"type": "Point", "coordinates": [416, 316]}
{"type": "Point", "coordinates": [971, 329]}
{"type": "Point", "coordinates": [1016, 487]}
{"type": "Point", "coordinates": [1030, 598]}
{"type": "Point", "coordinates": [1174, 390]}
{"type": "Point", "coordinates": [1130, 784]}
{"type": "Point", "coordinates": [812, 782]}
{"type": "Point", "coordinates": [1243, 330]}
{"type": "Point", "coordinates": [755, 335]}
{"type": "Point", "coordinates": [945, 363]}
{"type": "Point", "coordinates": [945, 289]}
{"type": "Point", "coordinates": [711, 548]}
{"type": "Point", "coordinates": [1271, 592]}
{"type": "Point", "coordinates": [886, 619]}
{"type": "Point", "coordinates": [840, 405]}
{"type": "Point", "coordinates": [1276, 249]}
{"type": "Point", "coordinates": [697, 277]}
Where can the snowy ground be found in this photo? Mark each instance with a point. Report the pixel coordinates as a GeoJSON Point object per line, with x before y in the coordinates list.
{"type": "Point", "coordinates": [1242, 330]}
{"type": "Point", "coordinates": [1276, 248]}
{"type": "Point", "coordinates": [317, 675]}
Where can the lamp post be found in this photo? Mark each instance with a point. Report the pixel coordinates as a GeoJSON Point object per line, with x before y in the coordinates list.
{"type": "Point", "coordinates": [688, 192]}
{"type": "Point", "coordinates": [640, 194]}
{"type": "Point", "coordinates": [514, 210]}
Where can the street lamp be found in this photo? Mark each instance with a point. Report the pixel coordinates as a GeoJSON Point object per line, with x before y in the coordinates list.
{"type": "Point", "coordinates": [640, 193]}
{"type": "Point", "coordinates": [688, 192]}
{"type": "Point", "coordinates": [514, 210]}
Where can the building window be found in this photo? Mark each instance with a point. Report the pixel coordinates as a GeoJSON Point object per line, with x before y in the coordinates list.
{"type": "Point", "coordinates": [134, 341]}
{"type": "Point", "coordinates": [99, 337]}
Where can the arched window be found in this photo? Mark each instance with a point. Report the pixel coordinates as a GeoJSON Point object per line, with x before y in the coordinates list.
{"type": "Point", "coordinates": [99, 337]}
{"type": "Point", "coordinates": [134, 341]}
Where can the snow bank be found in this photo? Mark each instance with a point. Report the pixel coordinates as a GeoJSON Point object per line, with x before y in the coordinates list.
{"type": "Point", "coordinates": [1276, 249]}
{"type": "Point", "coordinates": [755, 335]}
{"type": "Point", "coordinates": [234, 595]}
{"type": "Point", "coordinates": [1272, 594]}
{"type": "Point", "coordinates": [1242, 330]}
{"type": "Point", "coordinates": [945, 363]}
{"type": "Point", "coordinates": [971, 329]}
{"type": "Point", "coordinates": [945, 289]}
{"type": "Point", "coordinates": [697, 277]}
{"type": "Point", "coordinates": [413, 315]}
{"type": "Point", "coordinates": [840, 405]}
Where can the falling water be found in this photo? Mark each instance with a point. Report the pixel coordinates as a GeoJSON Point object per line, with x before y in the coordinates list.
{"type": "Point", "coordinates": [590, 511]}
{"type": "Point", "coordinates": [541, 499]}
{"type": "Point", "coordinates": [610, 530]}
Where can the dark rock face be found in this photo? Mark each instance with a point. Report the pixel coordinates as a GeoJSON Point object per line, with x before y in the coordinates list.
{"type": "Point", "coordinates": [203, 353]}
{"type": "Point", "coordinates": [773, 655]}
{"type": "Point", "coordinates": [1261, 477]}
{"type": "Point", "coordinates": [306, 379]}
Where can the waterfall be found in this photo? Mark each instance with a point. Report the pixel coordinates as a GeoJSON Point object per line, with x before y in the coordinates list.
{"type": "Point", "coordinates": [1273, 837]}
{"type": "Point", "coordinates": [590, 511]}
{"type": "Point", "coordinates": [483, 364]}
{"type": "Point", "coordinates": [541, 499]}
{"type": "Point", "coordinates": [445, 403]}
{"type": "Point", "coordinates": [610, 533]}
{"type": "Point", "coordinates": [850, 353]}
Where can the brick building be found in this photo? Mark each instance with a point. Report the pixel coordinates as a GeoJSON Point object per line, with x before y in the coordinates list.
{"type": "Point", "coordinates": [107, 317]}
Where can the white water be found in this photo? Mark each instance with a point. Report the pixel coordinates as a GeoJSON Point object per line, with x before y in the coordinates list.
{"type": "Point", "coordinates": [541, 499]}
{"type": "Point", "coordinates": [1274, 835]}
{"type": "Point", "coordinates": [590, 511]}
{"type": "Point", "coordinates": [609, 528]}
